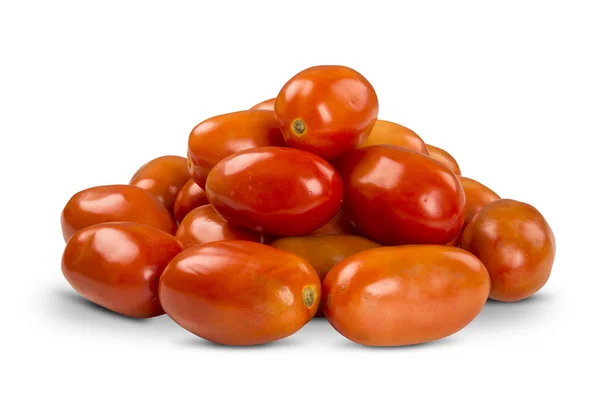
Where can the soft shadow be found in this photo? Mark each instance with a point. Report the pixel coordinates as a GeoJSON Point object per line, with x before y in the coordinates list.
{"type": "Point", "coordinates": [345, 343]}
{"type": "Point", "coordinates": [202, 343]}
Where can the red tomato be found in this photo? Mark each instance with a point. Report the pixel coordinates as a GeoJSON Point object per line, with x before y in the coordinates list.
{"type": "Point", "coordinates": [239, 293]}
{"type": "Point", "coordinates": [265, 105]}
{"type": "Point", "coordinates": [386, 132]}
{"type": "Point", "coordinates": [477, 195]}
{"type": "Point", "coordinates": [275, 190]}
{"type": "Point", "coordinates": [517, 246]}
{"type": "Point", "coordinates": [339, 225]}
{"type": "Point", "coordinates": [189, 197]}
{"type": "Point", "coordinates": [117, 265]}
{"type": "Point", "coordinates": [327, 110]}
{"type": "Point", "coordinates": [398, 196]}
{"type": "Point", "coordinates": [404, 295]}
{"type": "Point", "coordinates": [114, 203]}
{"type": "Point", "coordinates": [223, 135]}
{"type": "Point", "coordinates": [444, 157]}
{"type": "Point", "coordinates": [204, 225]}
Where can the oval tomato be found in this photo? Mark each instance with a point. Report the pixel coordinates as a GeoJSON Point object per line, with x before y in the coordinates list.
{"type": "Point", "coordinates": [275, 190]}
{"type": "Point", "coordinates": [189, 197]}
{"type": "Point", "coordinates": [117, 265]}
{"type": "Point", "coordinates": [386, 132]}
{"type": "Point", "coordinates": [398, 196]}
{"type": "Point", "coordinates": [265, 105]}
{"type": "Point", "coordinates": [239, 293]}
{"type": "Point", "coordinates": [444, 157]}
{"type": "Point", "coordinates": [404, 295]}
{"type": "Point", "coordinates": [339, 225]}
{"type": "Point", "coordinates": [477, 196]}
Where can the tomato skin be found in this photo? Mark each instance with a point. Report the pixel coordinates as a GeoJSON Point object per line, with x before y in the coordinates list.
{"type": "Point", "coordinates": [336, 108]}
{"type": "Point", "coordinates": [239, 293]}
{"type": "Point", "coordinates": [397, 196]}
{"type": "Point", "coordinates": [339, 225]}
{"type": "Point", "coordinates": [189, 197]}
{"type": "Point", "coordinates": [265, 105]}
{"type": "Point", "coordinates": [275, 190]}
{"type": "Point", "coordinates": [517, 246]}
{"type": "Point", "coordinates": [117, 265]}
{"type": "Point", "coordinates": [163, 177]}
{"type": "Point", "coordinates": [387, 132]}
{"type": "Point", "coordinates": [114, 203]}
{"type": "Point", "coordinates": [478, 196]}
{"type": "Point", "coordinates": [404, 295]}
{"type": "Point", "coordinates": [223, 135]}
{"type": "Point", "coordinates": [444, 157]}
{"type": "Point", "coordinates": [204, 225]}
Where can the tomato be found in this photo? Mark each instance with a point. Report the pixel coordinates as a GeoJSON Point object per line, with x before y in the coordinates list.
{"type": "Point", "coordinates": [339, 225]}
{"type": "Point", "coordinates": [477, 195]}
{"type": "Point", "coordinates": [223, 135]}
{"type": "Point", "coordinates": [275, 190]}
{"type": "Point", "coordinates": [204, 225]}
{"type": "Point", "coordinates": [164, 177]}
{"type": "Point", "coordinates": [398, 196]}
{"type": "Point", "coordinates": [235, 292]}
{"type": "Point", "coordinates": [517, 246]}
{"type": "Point", "coordinates": [404, 295]}
{"type": "Point", "coordinates": [444, 157]}
{"type": "Point", "coordinates": [117, 265]}
{"type": "Point", "coordinates": [114, 203]}
{"type": "Point", "coordinates": [189, 197]}
{"type": "Point", "coordinates": [386, 132]}
{"type": "Point", "coordinates": [265, 105]}
{"type": "Point", "coordinates": [327, 110]}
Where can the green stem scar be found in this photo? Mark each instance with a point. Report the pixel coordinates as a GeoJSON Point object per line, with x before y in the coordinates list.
{"type": "Point", "coordinates": [308, 296]}
{"type": "Point", "coordinates": [298, 127]}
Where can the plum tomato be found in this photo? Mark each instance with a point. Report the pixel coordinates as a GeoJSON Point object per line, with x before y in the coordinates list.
{"type": "Point", "coordinates": [398, 196]}
{"type": "Point", "coordinates": [327, 110]}
{"type": "Point", "coordinates": [339, 225]}
{"type": "Point", "coordinates": [444, 157]}
{"type": "Point", "coordinates": [235, 292]}
{"type": "Point", "coordinates": [265, 105]}
{"type": "Point", "coordinates": [275, 190]}
{"type": "Point", "coordinates": [517, 246]}
{"type": "Point", "coordinates": [114, 203]}
{"type": "Point", "coordinates": [477, 195]}
{"type": "Point", "coordinates": [189, 197]}
{"type": "Point", "coordinates": [204, 225]}
{"type": "Point", "coordinates": [163, 177]}
{"type": "Point", "coordinates": [117, 265]}
{"type": "Point", "coordinates": [386, 132]}
{"type": "Point", "coordinates": [404, 295]}
{"type": "Point", "coordinates": [223, 135]}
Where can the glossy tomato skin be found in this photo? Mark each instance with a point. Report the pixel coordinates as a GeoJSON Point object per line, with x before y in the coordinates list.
{"type": "Point", "coordinates": [387, 132]}
{"type": "Point", "coordinates": [223, 135]}
{"type": "Point", "coordinates": [397, 196]}
{"type": "Point", "coordinates": [404, 295]}
{"type": "Point", "coordinates": [189, 197]}
{"type": "Point", "coordinates": [265, 105]}
{"type": "Point", "coordinates": [517, 246]}
{"type": "Point", "coordinates": [239, 293]}
{"type": "Point", "coordinates": [444, 157]}
{"type": "Point", "coordinates": [204, 225]}
{"type": "Point", "coordinates": [114, 203]}
{"type": "Point", "coordinates": [117, 265]}
{"type": "Point", "coordinates": [339, 225]}
{"type": "Point", "coordinates": [327, 110]}
{"type": "Point", "coordinates": [478, 196]}
{"type": "Point", "coordinates": [275, 190]}
{"type": "Point", "coordinates": [163, 177]}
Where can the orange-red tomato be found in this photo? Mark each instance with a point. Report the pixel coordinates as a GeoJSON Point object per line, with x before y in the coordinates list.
{"type": "Point", "coordinates": [163, 177]}
{"type": "Point", "coordinates": [339, 225]}
{"type": "Point", "coordinates": [386, 132]}
{"type": "Point", "coordinates": [444, 157]}
{"type": "Point", "coordinates": [189, 197]}
{"type": "Point", "coordinates": [398, 196]}
{"type": "Point", "coordinates": [517, 246]}
{"type": "Point", "coordinates": [204, 225]}
{"type": "Point", "coordinates": [275, 190]}
{"type": "Point", "coordinates": [223, 135]}
{"type": "Point", "coordinates": [117, 265]}
{"type": "Point", "coordinates": [477, 195]}
{"type": "Point", "coordinates": [265, 105]}
{"type": "Point", "coordinates": [327, 110]}
{"type": "Point", "coordinates": [404, 295]}
{"type": "Point", "coordinates": [239, 293]}
{"type": "Point", "coordinates": [114, 203]}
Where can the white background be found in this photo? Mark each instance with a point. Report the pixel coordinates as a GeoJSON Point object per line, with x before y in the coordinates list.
{"type": "Point", "coordinates": [89, 91]}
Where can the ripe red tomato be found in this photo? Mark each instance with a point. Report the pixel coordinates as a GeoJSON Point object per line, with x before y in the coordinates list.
{"type": "Point", "coordinates": [327, 110]}
{"type": "Point", "coordinates": [516, 245]}
{"type": "Point", "coordinates": [117, 265]}
{"type": "Point", "coordinates": [397, 196]}
{"type": "Point", "coordinates": [189, 197]}
{"type": "Point", "coordinates": [223, 135]}
{"type": "Point", "coordinates": [265, 105]}
{"type": "Point", "coordinates": [444, 157]}
{"type": "Point", "coordinates": [404, 295]}
{"type": "Point", "coordinates": [275, 190]}
{"type": "Point", "coordinates": [386, 132]}
{"type": "Point", "coordinates": [114, 203]}
{"type": "Point", "coordinates": [339, 225]}
{"type": "Point", "coordinates": [239, 293]}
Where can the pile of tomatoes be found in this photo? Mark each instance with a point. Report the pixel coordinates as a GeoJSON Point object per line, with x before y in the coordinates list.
{"type": "Point", "coordinates": [306, 205]}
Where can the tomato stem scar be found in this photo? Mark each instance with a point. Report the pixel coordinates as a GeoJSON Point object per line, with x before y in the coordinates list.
{"type": "Point", "coordinates": [298, 127]}
{"type": "Point", "coordinates": [308, 296]}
